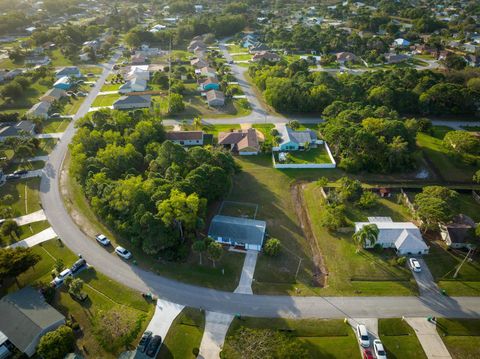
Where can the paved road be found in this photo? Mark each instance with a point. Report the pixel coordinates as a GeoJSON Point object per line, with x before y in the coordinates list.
{"type": "Point", "coordinates": [218, 301]}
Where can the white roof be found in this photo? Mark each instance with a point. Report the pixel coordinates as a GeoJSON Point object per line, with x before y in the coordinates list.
{"type": "Point", "coordinates": [410, 242]}
{"type": "Point", "coordinates": [388, 225]}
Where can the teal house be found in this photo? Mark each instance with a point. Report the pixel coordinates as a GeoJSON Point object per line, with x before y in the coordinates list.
{"type": "Point", "coordinates": [296, 140]}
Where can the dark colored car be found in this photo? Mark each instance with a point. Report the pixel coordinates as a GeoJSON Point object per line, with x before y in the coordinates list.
{"type": "Point", "coordinates": [142, 345]}
{"type": "Point", "coordinates": [12, 176]}
{"type": "Point", "coordinates": [20, 172]}
{"type": "Point", "coordinates": [78, 265]}
{"type": "Point", "coordinates": [154, 345]}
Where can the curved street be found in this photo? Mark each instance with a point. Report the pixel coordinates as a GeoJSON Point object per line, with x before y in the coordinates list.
{"type": "Point", "coordinates": [219, 301]}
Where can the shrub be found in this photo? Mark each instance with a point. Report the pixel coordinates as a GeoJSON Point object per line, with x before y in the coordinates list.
{"type": "Point", "coordinates": [56, 344]}
{"type": "Point", "coordinates": [401, 261]}
{"type": "Point", "coordinates": [272, 247]}
{"type": "Point", "coordinates": [367, 200]}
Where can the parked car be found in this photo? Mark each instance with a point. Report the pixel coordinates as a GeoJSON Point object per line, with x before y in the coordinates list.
{"type": "Point", "coordinates": [415, 265]}
{"type": "Point", "coordinates": [12, 176]}
{"type": "Point", "coordinates": [78, 265]}
{"type": "Point", "coordinates": [122, 252]}
{"type": "Point", "coordinates": [367, 354]}
{"type": "Point", "coordinates": [142, 345]}
{"type": "Point", "coordinates": [55, 115]}
{"type": "Point", "coordinates": [20, 172]}
{"type": "Point", "coordinates": [104, 241]}
{"type": "Point", "coordinates": [362, 335]}
{"type": "Point", "coordinates": [379, 350]}
{"type": "Point", "coordinates": [61, 277]}
{"type": "Point", "coordinates": [90, 74]}
{"type": "Point", "coordinates": [153, 346]}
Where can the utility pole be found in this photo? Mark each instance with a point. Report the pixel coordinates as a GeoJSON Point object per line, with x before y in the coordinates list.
{"type": "Point", "coordinates": [461, 264]}
{"type": "Point", "coordinates": [298, 268]}
{"type": "Point", "coordinates": [169, 73]}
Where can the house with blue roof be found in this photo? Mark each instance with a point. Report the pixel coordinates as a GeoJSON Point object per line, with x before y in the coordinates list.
{"type": "Point", "coordinates": [63, 83]}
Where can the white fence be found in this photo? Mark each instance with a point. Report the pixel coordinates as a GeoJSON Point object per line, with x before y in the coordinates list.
{"type": "Point", "coordinates": [333, 163]}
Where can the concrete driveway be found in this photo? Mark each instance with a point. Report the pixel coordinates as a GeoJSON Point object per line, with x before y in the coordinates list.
{"type": "Point", "coordinates": [426, 283]}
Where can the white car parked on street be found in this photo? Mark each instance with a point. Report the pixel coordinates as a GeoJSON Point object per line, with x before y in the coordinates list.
{"type": "Point", "coordinates": [415, 265]}
{"type": "Point", "coordinates": [379, 349]}
{"type": "Point", "coordinates": [104, 241]}
{"type": "Point", "coordinates": [122, 252]}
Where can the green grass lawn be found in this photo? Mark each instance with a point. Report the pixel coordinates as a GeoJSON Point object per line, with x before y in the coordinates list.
{"type": "Point", "coordinates": [25, 195]}
{"type": "Point", "coordinates": [224, 276]}
{"type": "Point", "coordinates": [55, 125]}
{"type": "Point", "coordinates": [26, 231]}
{"type": "Point", "coordinates": [236, 49]}
{"type": "Point", "coordinates": [443, 264]}
{"type": "Point", "coordinates": [461, 337]}
{"type": "Point", "coordinates": [105, 100]}
{"type": "Point", "coordinates": [58, 59]}
{"type": "Point", "coordinates": [313, 155]}
{"type": "Point", "coordinates": [322, 338]}
{"type": "Point", "coordinates": [29, 98]}
{"type": "Point", "coordinates": [450, 168]}
{"type": "Point", "coordinates": [46, 146]}
{"type": "Point", "coordinates": [399, 339]}
{"type": "Point", "coordinates": [30, 166]}
{"type": "Point", "coordinates": [363, 273]}
{"type": "Point", "coordinates": [111, 87]}
{"type": "Point", "coordinates": [466, 204]}
{"type": "Point", "coordinates": [87, 69]}
{"type": "Point", "coordinates": [265, 130]}
{"type": "Point", "coordinates": [72, 106]}
{"type": "Point", "coordinates": [245, 57]}
{"type": "Point", "coordinates": [103, 294]}
{"type": "Point", "coordinates": [184, 336]}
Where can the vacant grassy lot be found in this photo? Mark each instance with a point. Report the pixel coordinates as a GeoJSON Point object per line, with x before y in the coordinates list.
{"type": "Point", "coordinates": [443, 264]}
{"type": "Point", "coordinates": [367, 272]}
{"type": "Point", "coordinates": [224, 276]}
{"type": "Point", "coordinates": [184, 336]}
{"type": "Point", "coordinates": [103, 294]}
{"type": "Point", "coordinates": [450, 169]}
{"type": "Point", "coordinates": [29, 98]}
{"type": "Point", "coordinates": [110, 87]}
{"type": "Point", "coordinates": [461, 336]}
{"type": "Point", "coordinates": [55, 125]}
{"type": "Point", "coordinates": [105, 100]}
{"type": "Point", "coordinates": [322, 338]}
{"type": "Point", "coordinates": [246, 57]}
{"type": "Point", "coordinates": [46, 146]}
{"type": "Point", "coordinates": [24, 194]}
{"type": "Point", "coordinates": [236, 49]}
{"type": "Point", "coordinates": [399, 339]}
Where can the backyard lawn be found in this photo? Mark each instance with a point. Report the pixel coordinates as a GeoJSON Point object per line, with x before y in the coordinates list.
{"type": "Point", "coordinates": [449, 168]}
{"type": "Point", "coordinates": [461, 337]}
{"type": "Point", "coordinates": [322, 338]}
{"type": "Point", "coordinates": [313, 155]}
{"type": "Point", "coordinates": [184, 336]}
{"type": "Point", "coordinates": [399, 339]}
{"type": "Point", "coordinates": [104, 297]}
{"type": "Point", "coordinates": [24, 195]}
{"type": "Point", "coordinates": [105, 100]}
{"type": "Point", "coordinates": [443, 264]}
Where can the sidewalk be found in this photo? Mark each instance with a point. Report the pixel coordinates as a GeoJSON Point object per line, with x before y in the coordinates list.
{"type": "Point", "coordinates": [429, 338]}
{"type": "Point", "coordinates": [216, 327]}
{"type": "Point", "coordinates": [38, 238]}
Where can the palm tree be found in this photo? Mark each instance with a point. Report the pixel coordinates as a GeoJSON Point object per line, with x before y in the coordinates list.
{"type": "Point", "coordinates": [367, 235]}
{"type": "Point", "coordinates": [197, 123]}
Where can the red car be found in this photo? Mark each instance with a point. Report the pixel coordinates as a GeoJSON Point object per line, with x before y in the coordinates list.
{"type": "Point", "coordinates": [367, 354]}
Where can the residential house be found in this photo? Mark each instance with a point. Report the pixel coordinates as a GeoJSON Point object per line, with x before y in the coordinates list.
{"type": "Point", "coordinates": [139, 72]}
{"type": "Point", "coordinates": [68, 71]}
{"type": "Point", "coordinates": [208, 71]}
{"type": "Point", "coordinates": [267, 56]}
{"type": "Point", "coordinates": [473, 60]}
{"type": "Point", "coordinates": [401, 42]}
{"type": "Point", "coordinates": [157, 28]}
{"type": "Point", "coordinates": [52, 95]}
{"type": "Point", "coordinates": [14, 129]}
{"type": "Point", "coordinates": [200, 53]}
{"type": "Point", "coordinates": [295, 140]}
{"type": "Point", "coordinates": [132, 102]}
{"type": "Point", "coordinates": [85, 56]}
{"type": "Point", "coordinates": [258, 47]}
{"type": "Point", "coordinates": [215, 98]}
{"type": "Point", "coordinates": [138, 59]}
{"type": "Point", "coordinates": [404, 237]}
{"type": "Point", "coordinates": [244, 142]}
{"type": "Point", "coordinates": [63, 83]}
{"type": "Point", "coordinates": [198, 8]}
{"type": "Point", "coordinates": [6, 75]}
{"type": "Point", "coordinates": [211, 83]}
{"type": "Point", "coordinates": [472, 48]}
{"type": "Point", "coordinates": [396, 58]}
{"type": "Point", "coordinates": [241, 233]}
{"type": "Point", "coordinates": [39, 110]}
{"type": "Point", "coordinates": [199, 63]}
{"type": "Point", "coordinates": [41, 60]}
{"type": "Point", "coordinates": [343, 57]}
{"type": "Point", "coordinates": [134, 85]}
{"type": "Point", "coordinates": [459, 233]}
{"type": "Point", "coordinates": [26, 317]}
{"type": "Point", "coordinates": [185, 138]}
{"type": "Point", "coordinates": [196, 44]}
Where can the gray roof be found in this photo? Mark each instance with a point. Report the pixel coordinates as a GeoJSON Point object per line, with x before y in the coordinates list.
{"type": "Point", "coordinates": [125, 100]}
{"type": "Point", "coordinates": [300, 137]}
{"type": "Point", "coordinates": [239, 230]}
{"type": "Point", "coordinates": [13, 129]}
{"type": "Point", "coordinates": [25, 315]}
{"type": "Point", "coordinates": [67, 71]}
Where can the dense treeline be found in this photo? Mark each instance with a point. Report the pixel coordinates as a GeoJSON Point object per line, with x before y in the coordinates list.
{"type": "Point", "coordinates": [149, 190]}
{"type": "Point", "coordinates": [293, 88]}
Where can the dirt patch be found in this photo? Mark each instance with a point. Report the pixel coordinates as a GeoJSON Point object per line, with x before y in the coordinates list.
{"type": "Point", "coordinates": [319, 268]}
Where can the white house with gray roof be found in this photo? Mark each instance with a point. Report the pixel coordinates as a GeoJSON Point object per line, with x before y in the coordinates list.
{"type": "Point", "coordinates": [132, 102]}
{"type": "Point", "coordinates": [404, 237]}
{"type": "Point", "coordinates": [241, 233]}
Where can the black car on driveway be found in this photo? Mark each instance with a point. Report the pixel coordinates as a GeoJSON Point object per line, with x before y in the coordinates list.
{"type": "Point", "coordinates": [153, 346]}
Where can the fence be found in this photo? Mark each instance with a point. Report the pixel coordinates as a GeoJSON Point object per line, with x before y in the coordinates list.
{"type": "Point", "coordinates": [333, 163]}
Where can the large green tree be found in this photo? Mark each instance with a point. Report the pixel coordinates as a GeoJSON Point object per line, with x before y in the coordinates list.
{"type": "Point", "coordinates": [56, 344]}
{"type": "Point", "coordinates": [15, 261]}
